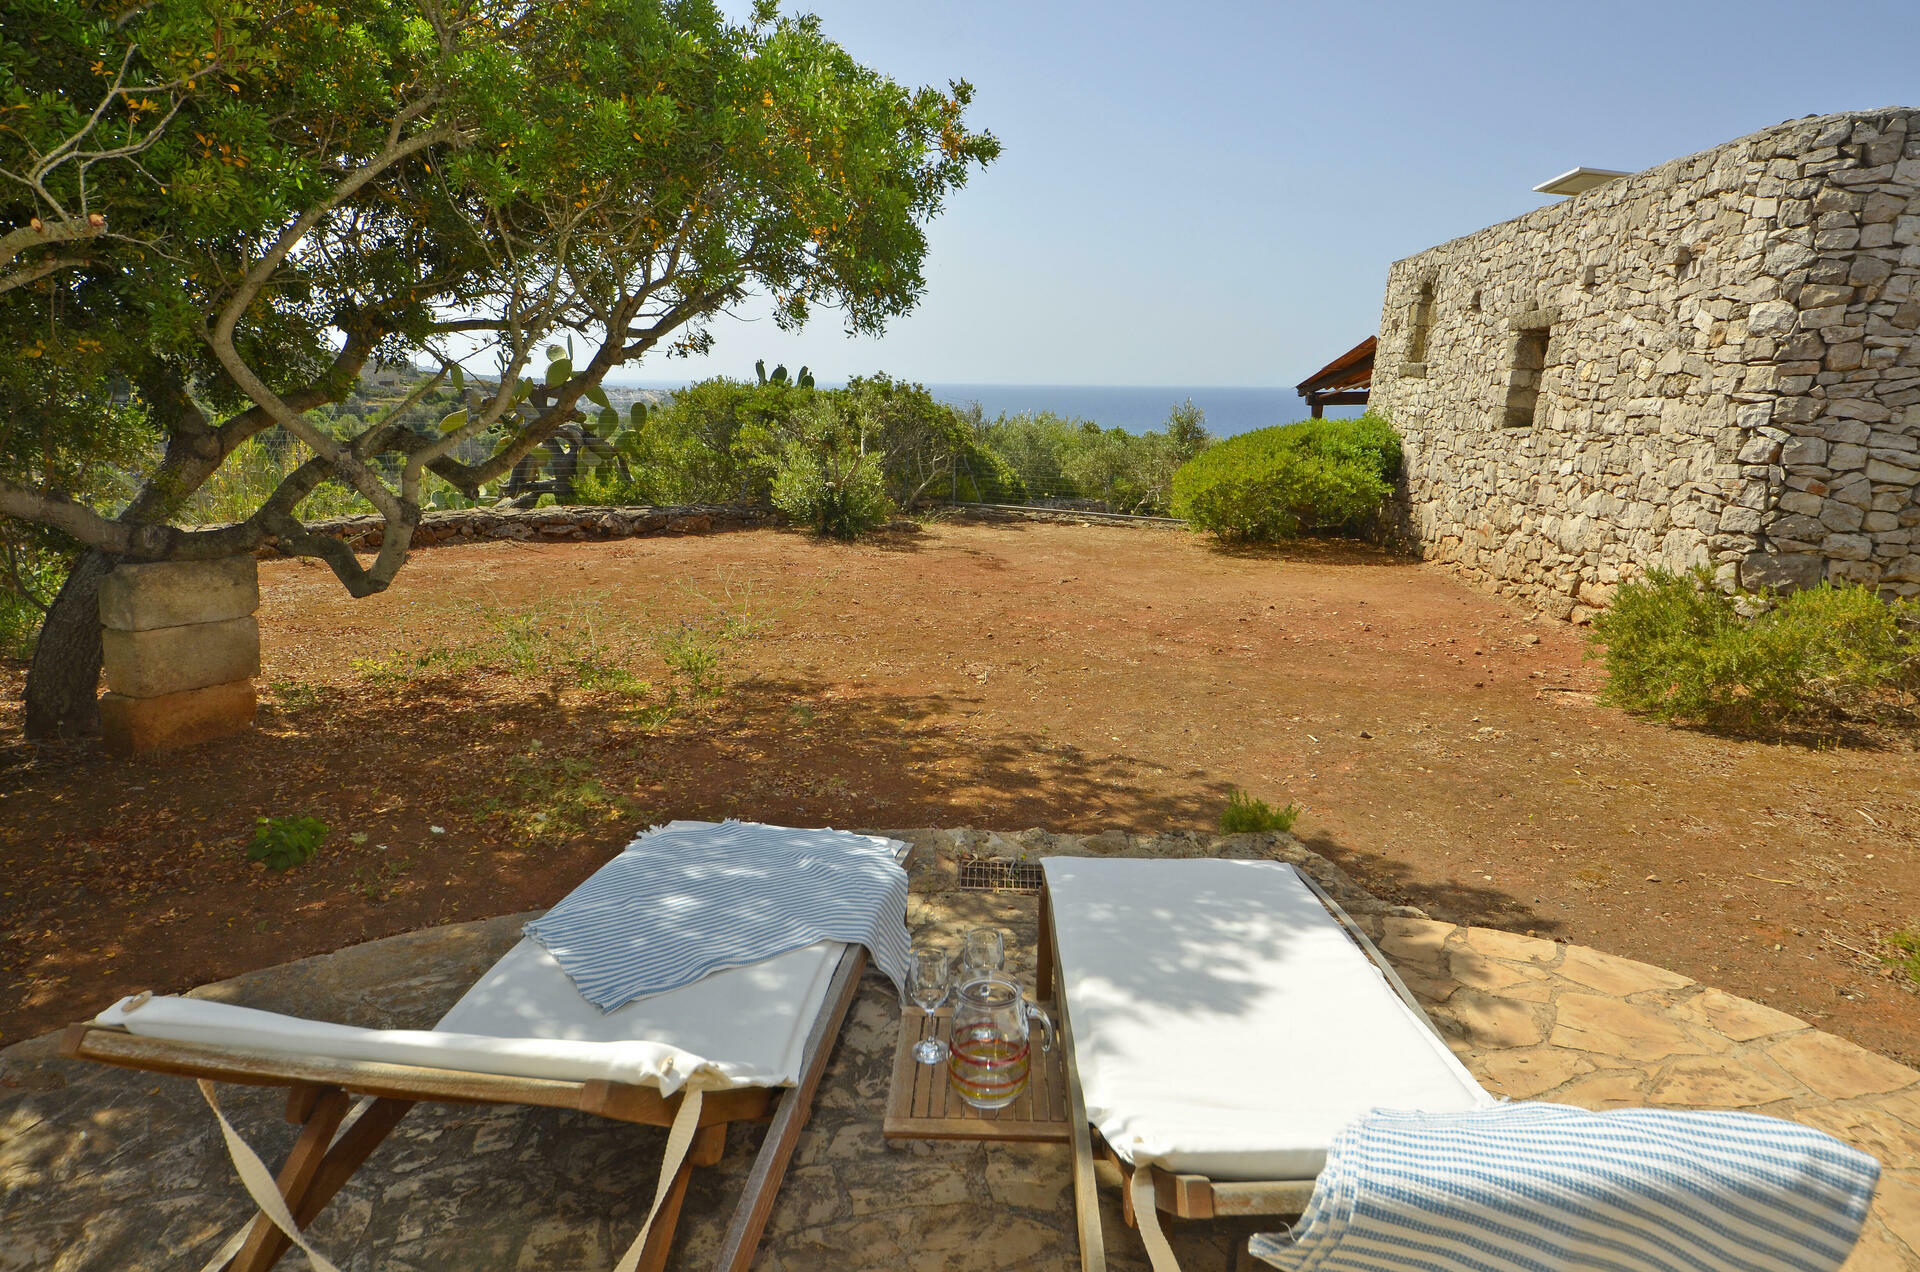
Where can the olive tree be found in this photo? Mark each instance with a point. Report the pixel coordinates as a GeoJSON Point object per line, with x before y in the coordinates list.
{"type": "Point", "coordinates": [214, 217]}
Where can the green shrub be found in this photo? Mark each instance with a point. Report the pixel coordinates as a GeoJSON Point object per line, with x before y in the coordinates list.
{"type": "Point", "coordinates": [33, 568]}
{"type": "Point", "coordinates": [603, 486]}
{"type": "Point", "coordinates": [284, 842]}
{"type": "Point", "coordinates": [1244, 813]}
{"type": "Point", "coordinates": [1678, 648]}
{"type": "Point", "coordinates": [1043, 454]}
{"type": "Point", "coordinates": [1317, 476]}
{"type": "Point", "coordinates": [824, 473]}
{"type": "Point", "coordinates": [981, 474]}
{"type": "Point", "coordinates": [834, 493]}
{"type": "Point", "coordinates": [254, 471]}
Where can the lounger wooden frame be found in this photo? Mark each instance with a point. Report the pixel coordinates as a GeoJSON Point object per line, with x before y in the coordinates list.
{"type": "Point", "coordinates": [1184, 1196]}
{"type": "Point", "coordinates": [320, 1092]}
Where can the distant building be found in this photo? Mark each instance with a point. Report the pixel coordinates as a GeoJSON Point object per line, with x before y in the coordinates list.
{"type": "Point", "coordinates": [386, 377]}
{"type": "Point", "coordinates": [1715, 361]}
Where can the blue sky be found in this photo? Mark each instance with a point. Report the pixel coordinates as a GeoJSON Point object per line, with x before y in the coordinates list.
{"type": "Point", "coordinates": [1211, 193]}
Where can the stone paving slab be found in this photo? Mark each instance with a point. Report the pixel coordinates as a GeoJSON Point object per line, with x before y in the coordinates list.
{"type": "Point", "coordinates": [109, 1169]}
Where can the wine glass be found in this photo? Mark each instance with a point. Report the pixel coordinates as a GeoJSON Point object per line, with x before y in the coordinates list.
{"type": "Point", "coordinates": [986, 953]}
{"type": "Point", "coordinates": [928, 978]}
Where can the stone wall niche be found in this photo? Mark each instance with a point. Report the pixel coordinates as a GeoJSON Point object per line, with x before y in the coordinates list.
{"type": "Point", "coordinates": [181, 650]}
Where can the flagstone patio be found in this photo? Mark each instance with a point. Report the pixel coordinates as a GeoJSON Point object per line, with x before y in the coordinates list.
{"type": "Point", "coordinates": [109, 1169]}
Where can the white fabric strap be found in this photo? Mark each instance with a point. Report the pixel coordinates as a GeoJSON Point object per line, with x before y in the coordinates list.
{"type": "Point", "coordinates": [265, 1191]}
{"type": "Point", "coordinates": [229, 1248]}
{"type": "Point", "coordinates": [679, 1139]}
{"type": "Point", "coordinates": [1146, 1213]}
{"type": "Point", "coordinates": [260, 1183]}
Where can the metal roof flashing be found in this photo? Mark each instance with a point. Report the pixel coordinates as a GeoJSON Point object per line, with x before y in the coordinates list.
{"type": "Point", "coordinates": [1578, 181]}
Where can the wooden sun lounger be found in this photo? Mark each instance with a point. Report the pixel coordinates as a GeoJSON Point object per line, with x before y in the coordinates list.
{"type": "Point", "coordinates": [320, 1092]}
{"type": "Point", "coordinates": [1183, 1196]}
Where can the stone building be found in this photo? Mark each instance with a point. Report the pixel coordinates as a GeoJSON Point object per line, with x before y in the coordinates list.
{"type": "Point", "coordinates": [1711, 362]}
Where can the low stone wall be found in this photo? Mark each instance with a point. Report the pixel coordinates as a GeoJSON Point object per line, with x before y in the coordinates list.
{"type": "Point", "coordinates": [1048, 515]}
{"type": "Point", "coordinates": [575, 524]}
{"type": "Point", "coordinates": [552, 525]}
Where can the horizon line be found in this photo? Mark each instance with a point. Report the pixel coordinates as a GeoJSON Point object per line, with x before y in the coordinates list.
{"type": "Point", "coordinates": [1002, 384]}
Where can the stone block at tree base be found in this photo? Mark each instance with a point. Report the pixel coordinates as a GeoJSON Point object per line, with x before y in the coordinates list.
{"type": "Point", "coordinates": [167, 660]}
{"type": "Point", "coordinates": [141, 726]}
{"type": "Point", "coordinates": [140, 597]}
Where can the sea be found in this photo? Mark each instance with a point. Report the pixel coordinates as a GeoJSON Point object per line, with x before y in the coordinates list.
{"type": "Point", "coordinates": [1136, 408]}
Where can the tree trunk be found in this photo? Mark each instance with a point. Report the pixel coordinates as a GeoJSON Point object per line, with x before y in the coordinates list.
{"type": "Point", "coordinates": [63, 683]}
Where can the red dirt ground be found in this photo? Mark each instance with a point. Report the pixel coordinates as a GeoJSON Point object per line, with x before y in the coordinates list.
{"type": "Point", "coordinates": [1445, 749]}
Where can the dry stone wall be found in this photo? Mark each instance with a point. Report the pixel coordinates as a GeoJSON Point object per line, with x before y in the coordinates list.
{"type": "Point", "coordinates": [577, 524]}
{"type": "Point", "coordinates": [548, 525]}
{"type": "Point", "coordinates": [1712, 362]}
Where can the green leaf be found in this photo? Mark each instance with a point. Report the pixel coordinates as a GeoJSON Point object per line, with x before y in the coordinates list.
{"type": "Point", "coordinates": [555, 353]}
{"type": "Point", "coordinates": [455, 421]}
{"type": "Point", "coordinates": [559, 371]}
{"type": "Point", "coordinates": [598, 396]}
{"type": "Point", "coordinates": [458, 377]}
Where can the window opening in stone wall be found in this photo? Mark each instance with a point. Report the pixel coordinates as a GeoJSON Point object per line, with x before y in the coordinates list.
{"type": "Point", "coordinates": [1683, 264]}
{"type": "Point", "coordinates": [1523, 380]}
{"type": "Point", "coordinates": [1418, 321]}
{"type": "Point", "coordinates": [1474, 304]}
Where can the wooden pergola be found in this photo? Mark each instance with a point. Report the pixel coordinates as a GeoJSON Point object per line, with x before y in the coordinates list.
{"type": "Point", "coordinates": [1343, 382]}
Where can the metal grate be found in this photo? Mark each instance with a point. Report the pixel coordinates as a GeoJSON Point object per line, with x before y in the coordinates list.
{"type": "Point", "coordinates": [997, 874]}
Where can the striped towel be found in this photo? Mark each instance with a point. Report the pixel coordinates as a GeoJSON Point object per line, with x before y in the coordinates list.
{"type": "Point", "coordinates": [1547, 1188]}
{"type": "Point", "coordinates": [692, 898]}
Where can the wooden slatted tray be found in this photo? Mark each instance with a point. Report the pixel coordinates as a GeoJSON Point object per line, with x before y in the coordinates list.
{"type": "Point", "coordinates": [920, 1104]}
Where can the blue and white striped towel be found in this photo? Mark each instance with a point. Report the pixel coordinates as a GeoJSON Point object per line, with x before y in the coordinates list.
{"type": "Point", "coordinates": [1547, 1188]}
{"type": "Point", "coordinates": [692, 898]}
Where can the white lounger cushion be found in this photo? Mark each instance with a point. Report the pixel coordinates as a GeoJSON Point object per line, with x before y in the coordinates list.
{"type": "Point", "coordinates": [1224, 1023]}
{"type": "Point", "coordinates": [751, 1022]}
{"type": "Point", "coordinates": [524, 1018]}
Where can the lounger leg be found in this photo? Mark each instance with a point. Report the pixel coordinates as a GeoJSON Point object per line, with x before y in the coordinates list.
{"type": "Point", "coordinates": [325, 1171]}
{"type": "Point", "coordinates": [1043, 955]}
{"type": "Point", "coordinates": [320, 1110]}
{"type": "Point", "coordinates": [653, 1256]}
{"type": "Point", "coordinates": [709, 1145]}
{"type": "Point", "coordinates": [783, 1132]}
{"type": "Point", "coordinates": [1086, 1198]}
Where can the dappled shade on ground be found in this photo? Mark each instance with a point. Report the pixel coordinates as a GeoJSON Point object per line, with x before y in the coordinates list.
{"type": "Point", "coordinates": [111, 1168]}
{"type": "Point", "coordinates": [1445, 750]}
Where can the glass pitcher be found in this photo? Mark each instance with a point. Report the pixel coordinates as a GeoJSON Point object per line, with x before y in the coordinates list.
{"type": "Point", "coordinates": [991, 1064]}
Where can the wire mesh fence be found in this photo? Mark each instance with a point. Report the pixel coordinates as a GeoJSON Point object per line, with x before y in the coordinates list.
{"type": "Point", "coordinates": [1000, 481]}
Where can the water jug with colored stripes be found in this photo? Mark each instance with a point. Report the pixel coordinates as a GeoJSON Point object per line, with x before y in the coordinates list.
{"type": "Point", "coordinates": [991, 1062]}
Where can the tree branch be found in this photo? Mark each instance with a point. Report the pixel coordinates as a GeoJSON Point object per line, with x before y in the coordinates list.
{"type": "Point", "coordinates": [40, 269]}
